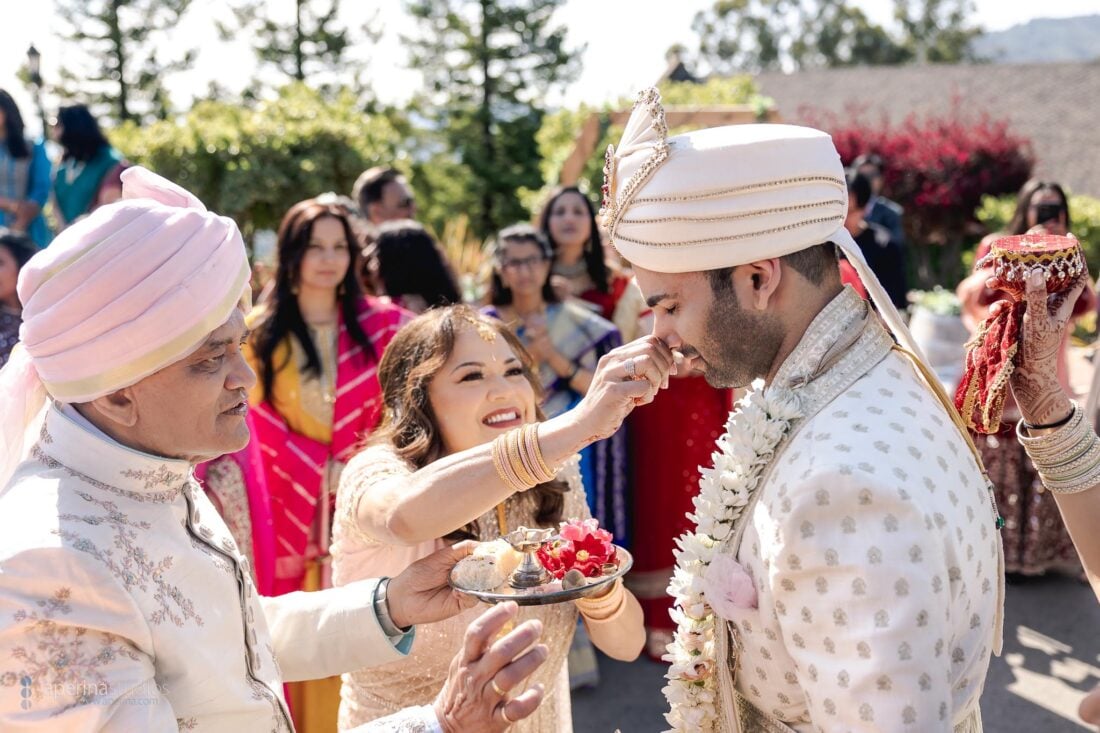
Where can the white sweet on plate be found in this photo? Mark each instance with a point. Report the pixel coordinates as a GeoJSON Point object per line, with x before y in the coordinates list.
{"type": "Point", "coordinates": [487, 567]}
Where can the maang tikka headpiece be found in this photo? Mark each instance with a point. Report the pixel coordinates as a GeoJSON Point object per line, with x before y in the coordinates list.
{"type": "Point", "coordinates": [487, 333]}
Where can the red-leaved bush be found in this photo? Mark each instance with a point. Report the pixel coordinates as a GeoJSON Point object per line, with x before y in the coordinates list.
{"type": "Point", "coordinates": [938, 168]}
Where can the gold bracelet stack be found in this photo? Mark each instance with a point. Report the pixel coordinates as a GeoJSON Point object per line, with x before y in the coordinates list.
{"type": "Point", "coordinates": [517, 457]}
{"type": "Point", "coordinates": [607, 607]}
{"type": "Point", "coordinates": [1068, 458]}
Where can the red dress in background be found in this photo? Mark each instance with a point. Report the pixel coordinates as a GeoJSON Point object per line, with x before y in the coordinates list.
{"type": "Point", "coordinates": [608, 301]}
{"type": "Point", "coordinates": [670, 439]}
{"type": "Point", "coordinates": [849, 276]}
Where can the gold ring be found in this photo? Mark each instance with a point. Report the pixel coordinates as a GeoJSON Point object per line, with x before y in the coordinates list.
{"type": "Point", "coordinates": [504, 715]}
{"type": "Point", "coordinates": [497, 690]}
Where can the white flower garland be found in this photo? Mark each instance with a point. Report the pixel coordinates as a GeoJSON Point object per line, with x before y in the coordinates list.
{"type": "Point", "coordinates": [754, 430]}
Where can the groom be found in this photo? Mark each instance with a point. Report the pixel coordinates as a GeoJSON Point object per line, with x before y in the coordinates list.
{"type": "Point", "coordinates": [844, 574]}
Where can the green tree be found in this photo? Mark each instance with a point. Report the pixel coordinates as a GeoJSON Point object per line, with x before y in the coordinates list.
{"type": "Point", "coordinates": [937, 31]}
{"type": "Point", "coordinates": [254, 163]}
{"type": "Point", "coordinates": [487, 66]}
{"type": "Point", "coordinates": [120, 39]}
{"type": "Point", "coordinates": [313, 42]}
{"type": "Point", "coordinates": [764, 35]}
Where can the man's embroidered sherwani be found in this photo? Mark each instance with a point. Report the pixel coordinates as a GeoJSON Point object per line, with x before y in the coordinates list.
{"type": "Point", "coordinates": [126, 606]}
{"type": "Point", "coordinates": [873, 547]}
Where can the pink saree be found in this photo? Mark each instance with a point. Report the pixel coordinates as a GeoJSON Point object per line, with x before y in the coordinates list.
{"type": "Point", "coordinates": [283, 472]}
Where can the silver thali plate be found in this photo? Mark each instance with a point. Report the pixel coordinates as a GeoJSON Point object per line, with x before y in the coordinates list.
{"type": "Point", "coordinates": [552, 592]}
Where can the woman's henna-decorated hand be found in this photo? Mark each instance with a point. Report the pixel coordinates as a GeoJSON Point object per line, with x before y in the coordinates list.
{"type": "Point", "coordinates": [1035, 380]}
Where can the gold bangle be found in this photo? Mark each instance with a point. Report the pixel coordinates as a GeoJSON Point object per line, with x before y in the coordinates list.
{"type": "Point", "coordinates": [527, 454]}
{"type": "Point", "coordinates": [524, 458]}
{"type": "Point", "coordinates": [513, 465]}
{"type": "Point", "coordinates": [497, 463]}
{"type": "Point", "coordinates": [605, 607]}
{"type": "Point", "coordinates": [516, 460]}
{"type": "Point", "coordinates": [516, 453]}
{"type": "Point", "coordinates": [611, 617]}
{"type": "Point", "coordinates": [533, 447]}
{"type": "Point", "coordinates": [500, 463]}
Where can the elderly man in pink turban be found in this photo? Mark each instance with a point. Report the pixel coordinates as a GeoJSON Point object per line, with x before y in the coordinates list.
{"type": "Point", "coordinates": [124, 603]}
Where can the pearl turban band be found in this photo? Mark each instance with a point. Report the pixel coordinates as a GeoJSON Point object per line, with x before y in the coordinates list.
{"type": "Point", "coordinates": [122, 293]}
{"type": "Point", "coordinates": [728, 196]}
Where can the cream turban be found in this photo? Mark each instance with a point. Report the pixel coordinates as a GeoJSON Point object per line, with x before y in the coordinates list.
{"type": "Point", "coordinates": [728, 196]}
{"type": "Point", "coordinates": [135, 286]}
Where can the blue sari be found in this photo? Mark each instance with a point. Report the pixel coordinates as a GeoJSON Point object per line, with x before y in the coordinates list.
{"type": "Point", "coordinates": [27, 179]}
{"type": "Point", "coordinates": [583, 337]}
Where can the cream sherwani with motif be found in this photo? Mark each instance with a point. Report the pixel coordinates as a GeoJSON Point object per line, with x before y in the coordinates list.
{"type": "Point", "coordinates": [873, 546]}
{"type": "Point", "coordinates": [126, 606]}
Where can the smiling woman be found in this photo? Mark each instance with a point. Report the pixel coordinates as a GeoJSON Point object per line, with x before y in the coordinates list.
{"type": "Point", "coordinates": [455, 384]}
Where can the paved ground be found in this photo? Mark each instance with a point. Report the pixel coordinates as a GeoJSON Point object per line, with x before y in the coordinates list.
{"type": "Point", "coordinates": [1051, 657]}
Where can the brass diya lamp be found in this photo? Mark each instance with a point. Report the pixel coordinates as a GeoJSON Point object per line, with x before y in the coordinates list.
{"type": "Point", "coordinates": [530, 573]}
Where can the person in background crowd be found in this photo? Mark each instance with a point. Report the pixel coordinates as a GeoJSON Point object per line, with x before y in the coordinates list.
{"type": "Point", "coordinates": [315, 345]}
{"type": "Point", "coordinates": [24, 176]}
{"type": "Point", "coordinates": [583, 271]}
{"type": "Point", "coordinates": [1040, 203]}
{"type": "Point", "coordinates": [15, 251]}
{"type": "Point", "coordinates": [568, 221]}
{"type": "Point", "coordinates": [885, 255]}
{"type": "Point", "coordinates": [384, 195]}
{"type": "Point", "coordinates": [406, 264]}
{"type": "Point", "coordinates": [453, 382]}
{"type": "Point", "coordinates": [879, 209]}
{"type": "Point", "coordinates": [566, 341]}
{"type": "Point", "coordinates": [1041, 206]}
{"type": "Point", "coordinates": [1034, 536]}
{"type": "Point", "coordinates": [89, 175]}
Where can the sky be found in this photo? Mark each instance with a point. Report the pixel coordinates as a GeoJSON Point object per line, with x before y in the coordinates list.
{"type": "Point", "coordinates": [625, 43]}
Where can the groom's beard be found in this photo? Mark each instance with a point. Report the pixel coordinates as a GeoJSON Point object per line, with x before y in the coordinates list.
{"type": "Point", "coordinates": [740, 345]}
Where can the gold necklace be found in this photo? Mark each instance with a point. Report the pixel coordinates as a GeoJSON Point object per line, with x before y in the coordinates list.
{"type": "Point", "coordinates": [573, 271]}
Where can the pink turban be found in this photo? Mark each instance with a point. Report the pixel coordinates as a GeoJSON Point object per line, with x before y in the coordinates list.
{"type": "Point", "coordinates": [132, 288]}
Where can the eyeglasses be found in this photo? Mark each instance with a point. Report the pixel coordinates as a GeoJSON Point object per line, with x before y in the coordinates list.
{"type": "Point", "coordinates": [527, 263]}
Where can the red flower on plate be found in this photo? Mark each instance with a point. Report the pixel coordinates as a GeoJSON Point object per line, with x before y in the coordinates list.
{"type": "Point", "coordinates": [581, 545]}
{"type": "Point", "coordinates": [556, 556]}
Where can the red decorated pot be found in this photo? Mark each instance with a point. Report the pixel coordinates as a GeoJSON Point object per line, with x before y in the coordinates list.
{"type": "Point", "coordinates": [1013, 258]}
